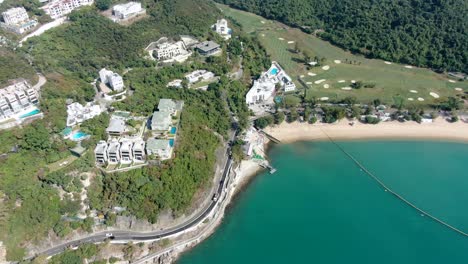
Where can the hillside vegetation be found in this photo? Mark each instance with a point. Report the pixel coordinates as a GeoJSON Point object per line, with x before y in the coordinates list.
{"type": "Point", "coordinates": [424, 33]}
{"type": "Point", "coordinates": [12, 66]}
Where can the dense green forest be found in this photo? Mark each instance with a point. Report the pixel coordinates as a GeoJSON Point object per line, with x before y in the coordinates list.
{"type": "Point", "coordinates": [13, 66]}
{"type": "Point", "coordinates": [424, 33]}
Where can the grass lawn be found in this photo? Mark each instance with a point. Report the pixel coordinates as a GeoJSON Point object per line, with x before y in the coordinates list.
{"type": "Point", "coordinates": [391, 80]}
{"type": "Point", "coordinates": [62, 163]}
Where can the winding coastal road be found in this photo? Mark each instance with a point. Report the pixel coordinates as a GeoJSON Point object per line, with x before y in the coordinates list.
{"type": "Point", "coordinates": [124, 236]}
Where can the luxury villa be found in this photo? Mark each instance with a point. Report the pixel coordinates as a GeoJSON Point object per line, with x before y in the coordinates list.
{"type": "Point", "coordinates": [127, 11]}
{"type": "Point", "coordinates": [77, 113]}
{"type": "Point", "coordinates": [264, 89]}
{"type": "Point", "coordinates": [208, 48]}
{"type": "Point", "coordinates": [221, 27]}
{"type": "Point", "coordinates": [167, 51]}
{"type": "Point", "coordinates": [17, 99]}
{"type": "Point", "coordinates": [17, 20]}
{"type": "Point", "coordinates": [112, 79]}
{"type": "Point", "coordinates": [59, 8]}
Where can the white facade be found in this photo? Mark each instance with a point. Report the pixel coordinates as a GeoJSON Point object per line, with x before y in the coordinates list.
{"type": "Point", "coordinates": [159, 147]}
{"type": "Point", "coordinates": [124, 151]}
{"type": "Point", "coordinates": [77, 113]}
{"type": "Point", "coordinates": [114, 80]}
{"type": "Point", "coordinates": [221, 27]}
{"type": "Point", "coordinates": [199, 75]}
{"type": "Point", "coordinates": [264, 88]}
{"type": "Point", "coordinates": [17, 97]}
{"type": "Point", "coordinates": [168, 51]}
{"type": "Point", "coordinates": [125, 11]}
{"type": "Point", "coordinates": [17, 20]}
{"type": "Point", "coordinates": [100, 152]}
{"type": "Point", "coordinates": [59, 8]}
{"type": "Point", "coordinates": [113, 152]}
{"type": "Point", "coordinates": [15, 16]}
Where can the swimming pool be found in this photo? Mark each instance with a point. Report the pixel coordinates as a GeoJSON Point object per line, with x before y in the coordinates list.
{"type": "Point", "coordinates": [171, 142]}
{"type": "Point", "coordinates": [274, 71]}
{"type": "Point", "coordinates": [34, 112]}
{"type": "Point", "coordinates": [173, 130]}
{"type": "Point", "coordinates": [78, 136]}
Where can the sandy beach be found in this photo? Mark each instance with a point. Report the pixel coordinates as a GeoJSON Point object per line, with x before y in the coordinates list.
{"type": "Point", "coordinates": [438, 130]}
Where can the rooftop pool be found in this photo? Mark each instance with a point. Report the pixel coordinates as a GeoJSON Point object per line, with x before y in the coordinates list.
{"type": "Point", "coordinates": [274, 71]}
{"type": "Point", "coordinates": [34, 112]}
{"type": "Point", "coordinates": [171, 142]}
{"type": "Point", "coordinates": [173, 130]}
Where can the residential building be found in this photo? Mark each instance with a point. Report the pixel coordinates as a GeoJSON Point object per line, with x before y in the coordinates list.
{"type": "Point", "coordinates": [100, 152]}
{"type": "Point", "coordinates": [168, 51]}
{"type": "Point", "coordinates": [126, 152]}
{"type": "Point", "coordinates": [59, 8]}
{"type": "Point", "coordinates": [160, 148]}
{"type": "Point", "coordinates": [17, 97]}
{"type": "Point", "coordinates": [114, 80]}
{"type": "Point", "coordinates": [199, 75]}
{"type": "Point", "coordinates": [77, 113]}
{"type": "Point", "coordinates": [113, 152]}
{"type": "Point", "coordinates": [177, 83]}
{"type": "Point", "coordinates": [208, 48]}
{"type": "Point", "coordinates": [127, 10]}
{"type": "Point", "coordinates": [161, 121]}
{"type": "Point", "coordinates": [17, 20]}
{"type": "Point", "coordinates": [116, 127]}
{"type": "Point", "coordinates": [221, 27]}
{"type": "Point", "coordinates": [139, 151]}
{"type": "Point", "coordinates": [15, 16]}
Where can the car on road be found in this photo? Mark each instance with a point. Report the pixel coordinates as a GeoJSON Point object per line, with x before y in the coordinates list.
{"type": "Point", "coordinates": [215, 197]}
{"type": "Point", "coordinates": [109, 235]}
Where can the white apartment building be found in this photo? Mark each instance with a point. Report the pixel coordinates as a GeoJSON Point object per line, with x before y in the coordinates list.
{"type": "Point", "coordinates": [17, 97]}
{"type": "Point", "coordinates": [113, 152]}
{"type": "Point", "coordinates": [199, 75]}
{"type": "Point", "coordinates": [161, 121]}
{"type": "Point", "coordinates": [17, 20]}
{"type": "Point", "coordinates": [114, 80]}
{"type": "Point", "coordinates": [168, 51]}
{"type": "Point", "coordinates": [126, 152]}
{"type": "Point", "coordinates": [100, 152]}
{"type": "Point", "coordinates": [127, 10]}
{"type": "Point", "coordinates": [221, 27]}
{"type": "Point", "coordinates": [59, 8]}
{"type": "Point", "coordinates": [15, 16]}
{"type": "Point", "coordinates": [77, 113]}
{"type": "Point", "coordinates": [139, 154]}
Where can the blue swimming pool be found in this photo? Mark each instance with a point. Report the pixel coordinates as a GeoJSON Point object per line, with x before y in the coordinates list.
{"type": "Point", "coordinates": [274, 71]}
{"type": "Point", "coordinates": [78, 136]}
{"type": "Point", "coordinates": [34, 112]}
{"type": "Point", "coordinates": [171, 142]}
{"type": "Point", "coordinates": [173, 130]}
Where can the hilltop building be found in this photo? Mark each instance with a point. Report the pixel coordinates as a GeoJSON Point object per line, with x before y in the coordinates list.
{"type": "Point", "coordinates": [100, 152]}
{"type": "Point", "coordinates": [199, 75]}
{"type": "Point", "coordinates": [77, 113]}
{"type": "Point", "coordinates": [17, 98]}
{"type": "Point", "coordinates": [264, 89]}
{"type": "Point", "coordinates": [208, 48]}
{"type": "Point", "coordinates": [161, 148]}
{"type": "Point", "coordinates": [114, 80]}
{"type": "Point", "coordinates": [59, 8]}
{"type": "Point", "coordinates": [221, 27]}
{"type": "Point", "coordinates": [162, 119]}
{"type": "Point", "coordinates": [166, 51]}
{"type": "Point", "coordinates": [17, 20]}
{"type": "Point", "coordinates": [116, 127]}
{"type": "Point", "coordinates": [127, 10]}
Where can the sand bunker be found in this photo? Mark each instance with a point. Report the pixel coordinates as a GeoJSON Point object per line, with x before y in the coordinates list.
{"type": "Point", "coordinates": [387, 62]}
{"type": "Point", "coordinates": [323, 98]}
{"type": "Point", "coordinates": [452, 81]}
{"type": "Point", "coordinates": [290, 42]}
{"type": "Point", "coordinates": [413, 91]}
{"type": "Point", "coordinates": [309, 83]}
{"type": "Point", "coordinates": [326, 68]}
{"type": "Point", "coordinates": [420, 99]}
{"type": "Point", "coordinates": [337, 61]}
{"type": "Point", "coordinates": [311, 74]}
{"type": "Point", "coordinates": [410, 99]}
{"type": "Point", "coordinates": [281, 38]}
{"type": "Point", "coordinates": [409, 67]}
{"type": "Point", "coordinates": [458, 89]}
{"type": "Point", "coordinates": [326, 86]}
{"type": "Point", "coordinates": [346, 88]}
{"type": "Point", "coordinates": [434, 95]}
{"type": "Point", "coordinates": [319, 81]}
{"type": "Point", "coordinates": [341, 81]}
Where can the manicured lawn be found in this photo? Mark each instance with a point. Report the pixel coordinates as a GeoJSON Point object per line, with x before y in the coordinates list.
{"type": "Point", "coordinates": [391, 80]}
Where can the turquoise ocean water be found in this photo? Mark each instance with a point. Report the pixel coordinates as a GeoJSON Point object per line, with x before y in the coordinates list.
{"type": "Point", "coordinates": [320, 208]}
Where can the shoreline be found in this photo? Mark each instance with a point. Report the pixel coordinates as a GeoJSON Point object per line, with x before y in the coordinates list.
{"type": "Point", "coordinates": [438, 130]}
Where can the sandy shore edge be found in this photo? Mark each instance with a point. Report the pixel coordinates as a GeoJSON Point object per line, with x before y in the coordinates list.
{"type": "Point", "coordinates": [437, 130]}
